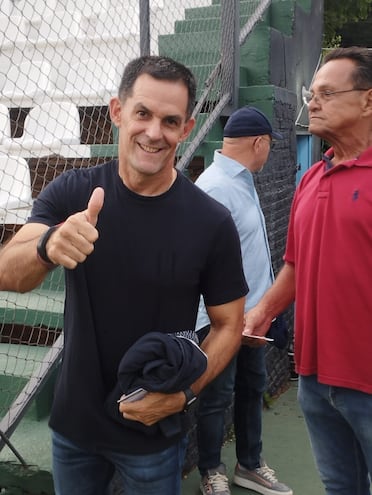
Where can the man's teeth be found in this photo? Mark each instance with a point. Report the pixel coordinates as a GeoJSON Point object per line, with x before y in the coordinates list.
{"type": "Point", "coordinates": [149, 149]}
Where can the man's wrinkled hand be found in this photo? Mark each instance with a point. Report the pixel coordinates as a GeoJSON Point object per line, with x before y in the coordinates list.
{"type": "Point", "coordinates": [255, 323]}
{"type": "Point", "coordinates": [154, 407]}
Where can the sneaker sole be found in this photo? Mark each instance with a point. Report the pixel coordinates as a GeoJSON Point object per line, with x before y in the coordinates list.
{"type": "Point", "coordinates": [245, 483]}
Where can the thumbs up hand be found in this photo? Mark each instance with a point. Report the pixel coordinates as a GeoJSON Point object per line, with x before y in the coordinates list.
{"type": "Point", "coordinates": [95, 205]}
{"type": "Point", "coordinates": [74, 240]}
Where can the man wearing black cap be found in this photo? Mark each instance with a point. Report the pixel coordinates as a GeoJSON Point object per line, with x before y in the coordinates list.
{"type": "Point", "coordinates": [248, 136]}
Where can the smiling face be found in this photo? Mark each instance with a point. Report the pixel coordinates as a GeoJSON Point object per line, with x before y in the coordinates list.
{"type": "Point", "coordinates": [151, 121]}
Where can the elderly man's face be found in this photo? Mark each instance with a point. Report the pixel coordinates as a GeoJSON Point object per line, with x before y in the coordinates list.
{"type": "Point", "coordinates": [334, 109]}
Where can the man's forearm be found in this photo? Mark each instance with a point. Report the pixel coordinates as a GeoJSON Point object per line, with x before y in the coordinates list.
{"type": "Point", "coordinates": [20, 269]}
{"type": "Point", "coordinates": [220, 345]}
{"type": "Point", "coordinates": [281, 294]}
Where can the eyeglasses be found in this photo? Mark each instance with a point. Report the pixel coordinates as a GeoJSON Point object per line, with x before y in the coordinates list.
{"type": "Point", "coordinates": [326, 95]}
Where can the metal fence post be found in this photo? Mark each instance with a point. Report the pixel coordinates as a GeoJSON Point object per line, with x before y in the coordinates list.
{"type": "Point", "coordinates": [144, 14]}
{"type": "Point", "coordinates": [230, 51]}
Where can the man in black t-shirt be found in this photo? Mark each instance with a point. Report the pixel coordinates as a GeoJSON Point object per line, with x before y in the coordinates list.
{"type": "Point", "coordinates": [139, 244]}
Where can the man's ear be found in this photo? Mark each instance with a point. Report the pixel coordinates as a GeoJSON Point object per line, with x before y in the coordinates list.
{"type": "Point", "coordinates": [257, 143]}
{"type": "Point", "coordinates": [115, 110]}
{"type": "Point", "coordinates": [368, 102]}
{"type": "Point", "coordinates": [188, 127]}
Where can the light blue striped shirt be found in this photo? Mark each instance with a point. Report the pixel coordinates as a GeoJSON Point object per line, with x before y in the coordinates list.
{"type": "Point", "coordinates": [231, 184]}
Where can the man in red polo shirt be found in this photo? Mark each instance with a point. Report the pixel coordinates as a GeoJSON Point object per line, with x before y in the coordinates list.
{"type": "Point", "coordinates": [328, 272]}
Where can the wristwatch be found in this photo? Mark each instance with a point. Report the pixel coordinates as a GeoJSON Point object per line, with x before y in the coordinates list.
{"type": "Point", "coordinates": [41, 246]}
{"type": "Point", "coordinates": [190, 398]}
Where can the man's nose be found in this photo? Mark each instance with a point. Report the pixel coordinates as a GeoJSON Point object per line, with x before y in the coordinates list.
{"type": "Point", "coordinates": [315, 100]}
{"type": "Point", "coordinates": [154, 129]}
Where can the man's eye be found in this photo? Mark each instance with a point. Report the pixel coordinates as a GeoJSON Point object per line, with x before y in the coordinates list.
{"type": "Point", "coordinates": [327, 93]}
{"type": "Point", "coordinates": [172, 122]}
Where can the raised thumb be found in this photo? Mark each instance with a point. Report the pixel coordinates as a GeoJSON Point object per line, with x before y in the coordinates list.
{"type": "Point", "coordinates": [95, 205]}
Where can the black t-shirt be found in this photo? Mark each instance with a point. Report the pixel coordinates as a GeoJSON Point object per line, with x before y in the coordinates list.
{"type": "Point", "coordinates": [152, 260]}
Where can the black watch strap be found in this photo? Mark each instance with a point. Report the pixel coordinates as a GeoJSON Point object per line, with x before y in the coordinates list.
{"type": "Point", "coordinates": [190, 398]}
{"type": "Point", "coordinates": [41, 245]}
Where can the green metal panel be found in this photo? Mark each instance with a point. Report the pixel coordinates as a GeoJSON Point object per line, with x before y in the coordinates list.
{"type": "Point", "coordinates": [262, 97]}
{"type": "Point", "coordinates": [306, 5]}
{"type": "Point", "coordinates": [17, 364]}
{"type": "Point", "coordinates": [255, 55]}
{"type": "Point", "coordinates": [10, 386]}
{"type": "Point", "coordinates": [283, 15]}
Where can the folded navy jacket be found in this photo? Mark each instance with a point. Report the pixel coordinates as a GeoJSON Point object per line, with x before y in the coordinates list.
{"type": "Point", "coordinates": [157, 362]}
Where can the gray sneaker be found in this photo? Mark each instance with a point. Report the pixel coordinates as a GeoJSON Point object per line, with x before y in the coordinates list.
{"type": "Point", "coordinates": [215, 482]}
{"type": "Point", "coordinates": [261, 480]}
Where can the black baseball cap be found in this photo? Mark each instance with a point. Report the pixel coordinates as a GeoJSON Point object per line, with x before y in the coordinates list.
{"type": "Point", "coordinates": [249, 121]}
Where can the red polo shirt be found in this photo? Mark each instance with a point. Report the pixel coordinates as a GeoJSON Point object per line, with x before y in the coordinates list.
{"type": "Point", "coordinates": [330, 244]}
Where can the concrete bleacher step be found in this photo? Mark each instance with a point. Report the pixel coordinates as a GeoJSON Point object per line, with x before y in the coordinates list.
{"type": "Point", "coordinates": [246, 7]}
{"type": "Point", "coordinates": [211, 142]}
{"type": "Point", "coordinates": [187, 48]}
{"type": "Point", "coordinates": [203, 24]}
{"type": "Point", "coordinates": [213, 135]}
{"type": "Point", "coordinates": [205, 152]}
{"type": "Point", "coordinates": [198, 38]}
{"type": "Point", "coordinates": [37, 308]}
{"type": "Point", "coordinates": [42, 306]}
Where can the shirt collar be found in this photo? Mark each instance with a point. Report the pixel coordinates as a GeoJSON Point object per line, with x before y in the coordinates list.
{"type": "Point", "coordinates": [231, 167]}
{"type": "Point", "coordinates": [363, 160]}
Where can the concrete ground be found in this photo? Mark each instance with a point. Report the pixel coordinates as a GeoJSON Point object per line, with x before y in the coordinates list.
{"type": "Point", "coordinates": [286, 449]}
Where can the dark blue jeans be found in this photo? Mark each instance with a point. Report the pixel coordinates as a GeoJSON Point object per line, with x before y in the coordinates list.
{"type": "Point", "coordinates": [80, 472]}
{"type": "Point", "coordinates": [247, 375]}
{"type": "Point", "coordinates": [339, 421]}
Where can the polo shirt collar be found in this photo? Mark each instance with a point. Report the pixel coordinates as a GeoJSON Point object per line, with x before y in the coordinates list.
{"type": "Point", "coordinates": [363, 160]}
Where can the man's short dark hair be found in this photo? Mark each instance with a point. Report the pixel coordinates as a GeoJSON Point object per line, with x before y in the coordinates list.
{"type": "Point", "coordinates": [362, 57]}
{"type": "Point", "coordinates": [159, 68]}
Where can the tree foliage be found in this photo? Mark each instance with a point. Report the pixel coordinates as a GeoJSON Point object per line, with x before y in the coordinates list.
{"type": "Point", "coordinates": [339, 12]}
